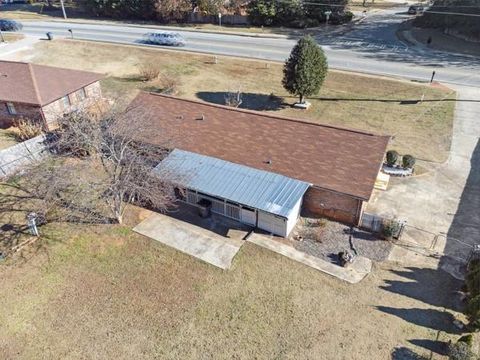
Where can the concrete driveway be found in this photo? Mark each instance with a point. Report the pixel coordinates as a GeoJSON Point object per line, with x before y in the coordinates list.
{"type": "Point", "coordinates": [193, 240]}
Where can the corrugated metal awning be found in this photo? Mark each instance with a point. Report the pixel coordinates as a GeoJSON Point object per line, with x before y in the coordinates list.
{"type": "Point", "coordinates": [263, 190]}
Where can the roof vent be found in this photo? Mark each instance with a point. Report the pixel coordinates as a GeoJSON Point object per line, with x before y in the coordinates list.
{"type": "Point", "coordinates": [179, 117]}
{"type": "Point", "coordinates": [202, 117]}
{"type": "Point", "coordinates": [269, 162]}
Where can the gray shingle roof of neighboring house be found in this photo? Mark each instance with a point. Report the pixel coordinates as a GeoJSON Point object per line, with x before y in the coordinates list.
{"type": "Point", "coordinates": [272, 193]}
{"type": "Point", "coordinates": [38, 84]}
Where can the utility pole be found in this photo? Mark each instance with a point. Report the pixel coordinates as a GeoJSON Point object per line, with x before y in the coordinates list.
{"type": "Point", "coordinates": [63, 9]}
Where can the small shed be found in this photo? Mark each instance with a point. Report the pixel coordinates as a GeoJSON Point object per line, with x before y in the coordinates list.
{"type": "Point", "coordinates": [266, 200]}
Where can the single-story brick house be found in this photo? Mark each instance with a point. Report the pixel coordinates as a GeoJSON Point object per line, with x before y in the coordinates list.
{"type": "Point", "coordinates": [43, 93]}
{"type": "Point", "coordinates": [260, 168]}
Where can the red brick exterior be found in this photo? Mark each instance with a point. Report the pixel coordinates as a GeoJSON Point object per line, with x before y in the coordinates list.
{"type": "Point", "coordinates": [48, 114]}
{"type": "Point", "coordinates": [25, 111]}
{"type": "Point", "coordinates": [335, 206]}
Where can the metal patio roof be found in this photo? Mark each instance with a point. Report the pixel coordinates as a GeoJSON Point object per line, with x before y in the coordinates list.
{"type": "Point", "coordinates": [263, 190]}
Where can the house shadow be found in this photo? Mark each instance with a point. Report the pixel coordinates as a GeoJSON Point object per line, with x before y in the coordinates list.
{"type": "Point", "coordinates": [250, 101]}
{"type": "Point", "coordinates": [423, 284]}
{"type": "Point", "coordinates": [464, 231]}
{"type": "Point", "coordinates": [428, 318]}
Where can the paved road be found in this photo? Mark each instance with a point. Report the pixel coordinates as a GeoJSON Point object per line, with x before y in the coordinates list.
{"type": "Point", "coordinates": [371, 47]}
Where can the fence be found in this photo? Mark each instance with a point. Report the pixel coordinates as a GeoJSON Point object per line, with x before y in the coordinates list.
{"type": "Point", "coordinates": [375, 224]}
{"type": "Point", "coordinates": [15, 157]}
{"type": "Point", "coordinates": [200, 18]}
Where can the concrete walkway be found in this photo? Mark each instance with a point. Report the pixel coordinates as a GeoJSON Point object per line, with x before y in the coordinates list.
{"type": "Point", "coordinates": [444, 203]}
{"type": "Point", "coordinates": [353, 274]}
{"type": "Point", "coordinates": [11, 48]}
{"type": "Point", "coordinates": [190, 239]}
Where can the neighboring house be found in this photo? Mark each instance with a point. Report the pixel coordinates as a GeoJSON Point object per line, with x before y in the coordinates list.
{"type": "Point", "coordinates": [263, 169]}
{"type": "Point", "coordinates": [43, 93]}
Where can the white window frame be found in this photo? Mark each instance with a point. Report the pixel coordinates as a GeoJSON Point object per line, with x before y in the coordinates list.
{"type": "Point", "coordinates": [66, 101]}
{"type": "Point", "coordinates": [81, 94]}
{"type": "Point", "coordinates": [11, 108]}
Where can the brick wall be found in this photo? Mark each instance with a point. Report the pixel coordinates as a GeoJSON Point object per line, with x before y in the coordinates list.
{"type": "Point", "coordinates": [25, 111]}
{"type": "Point", "coordinates": [339, 207]}
{"type": "Point", "coordinates": [58, 108]}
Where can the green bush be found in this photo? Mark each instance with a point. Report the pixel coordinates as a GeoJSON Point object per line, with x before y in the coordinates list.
{"type": "Point", "coordinates": [408, 161]}
{"type": "Point", "coordinates": [460, 351]}
{"type": "Point", "coordinates": [468, 339]}
{"type": "Point", "coordinates": [472, 279]}
{"type": "Point", "coordinates": [392, 157]}
{"type": "Point", "coordinates": [473, 312]}
{"type": "Point", "coordinates": [390, 228]}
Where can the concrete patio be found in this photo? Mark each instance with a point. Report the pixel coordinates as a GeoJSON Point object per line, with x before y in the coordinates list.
{"type": "Point", "coordinates": [215, 240]}
{"type": "Point", "coordinates": [353, 274]}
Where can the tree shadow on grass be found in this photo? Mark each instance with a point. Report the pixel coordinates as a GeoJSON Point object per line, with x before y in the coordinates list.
{"type": "Point", "coordinates": [404, 353]}
{"type": "Point", "coordinates": [438, 347]}
{"type": "Point", "coordinates": [425, 287]}
{"type": "Point", "coordinates": [429, 318]}
{"type": "Point", "coordinates": [250, 101]}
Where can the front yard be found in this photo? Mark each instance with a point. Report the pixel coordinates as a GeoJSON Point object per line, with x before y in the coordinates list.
{"type": "Point", "coordinates": [105, 292]}
{"type": "Point", "coordinates": [376, 104]}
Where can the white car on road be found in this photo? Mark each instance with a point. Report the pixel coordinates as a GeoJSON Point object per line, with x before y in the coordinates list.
{"type": "Point", "coordinates": [164, 38]}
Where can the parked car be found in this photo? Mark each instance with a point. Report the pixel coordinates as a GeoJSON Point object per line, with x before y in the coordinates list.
{"type": "Point", "coordinates": [10, 25]}
{"type": "Point", "coordinates": [164, 38]}
{"type": "Point", "coordinates": [415, 9]}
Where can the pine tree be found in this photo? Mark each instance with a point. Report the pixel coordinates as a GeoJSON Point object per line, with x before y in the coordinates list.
{"type": "Point", "coordinates": [305, 69]}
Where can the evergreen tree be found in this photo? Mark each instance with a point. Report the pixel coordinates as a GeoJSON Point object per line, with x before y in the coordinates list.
{"type": "Point", "coordinates": [305, 69]}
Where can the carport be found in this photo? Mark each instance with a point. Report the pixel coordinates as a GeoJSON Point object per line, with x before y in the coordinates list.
{"type": "Point", "coordinates": [263, 199]}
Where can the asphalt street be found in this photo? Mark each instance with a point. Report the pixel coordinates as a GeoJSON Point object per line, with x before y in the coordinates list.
{"type": "Point", "coordinates": [371, 47]}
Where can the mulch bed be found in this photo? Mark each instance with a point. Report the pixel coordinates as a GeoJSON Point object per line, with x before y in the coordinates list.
{"type": "Point", "coordinates": [325, 239]}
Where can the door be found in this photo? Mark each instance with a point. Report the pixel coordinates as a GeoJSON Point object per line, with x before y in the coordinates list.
{"type": "Point", "coordinates": [271, 223]}
{"type": "Point", "coordinates": [248, 216]}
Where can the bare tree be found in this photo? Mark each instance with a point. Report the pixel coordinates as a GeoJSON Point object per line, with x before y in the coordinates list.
{"type": "Point", "coordinates": [113, 146]}
{"type": "Point", "coordinates": [233, 99]}
{"type": "Point", "coordinates": [101, 165]}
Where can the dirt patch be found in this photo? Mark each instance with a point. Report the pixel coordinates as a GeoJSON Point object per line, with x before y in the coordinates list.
{"type": "Point", "coordinates": [374, 104]}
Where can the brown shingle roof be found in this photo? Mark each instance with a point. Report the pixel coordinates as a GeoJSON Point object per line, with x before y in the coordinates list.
{"type": "Point", "coordinates": [342, 160]}
{"type": "Point", "coordinates": [38, 84]}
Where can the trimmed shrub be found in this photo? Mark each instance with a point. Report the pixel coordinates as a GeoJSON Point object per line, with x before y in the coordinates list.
{"type": "Point", "coordinates": [390, 228]}
{"type": "Point", "coordinates": [392, 157]}
{"type": "Point", "coordinates": [408, 161]}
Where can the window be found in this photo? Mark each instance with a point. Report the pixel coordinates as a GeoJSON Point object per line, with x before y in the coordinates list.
{"type": "Point", "coordinates": [11, 109]}
{"type": "Point", "coordinates": [81, 94]}
{"type": "Point", "coordinates": [66, 101]}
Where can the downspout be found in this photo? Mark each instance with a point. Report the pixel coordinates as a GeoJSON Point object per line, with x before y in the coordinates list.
{"type": "Point", "coordinates": [44, 119]}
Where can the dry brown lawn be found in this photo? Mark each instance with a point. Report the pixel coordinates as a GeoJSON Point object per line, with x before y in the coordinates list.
{"type": "Point", "coordinates": [104, 292]}
{"type": "Point", "coordinates": [375, 104]}
{"type": "Point", "coordinates": [6, 140]}
{"type": "Point", "coordinates": [13, 37]}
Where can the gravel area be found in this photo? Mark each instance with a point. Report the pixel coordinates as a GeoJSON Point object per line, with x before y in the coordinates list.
{"type": "Point", "coordinates": [325, 239]}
